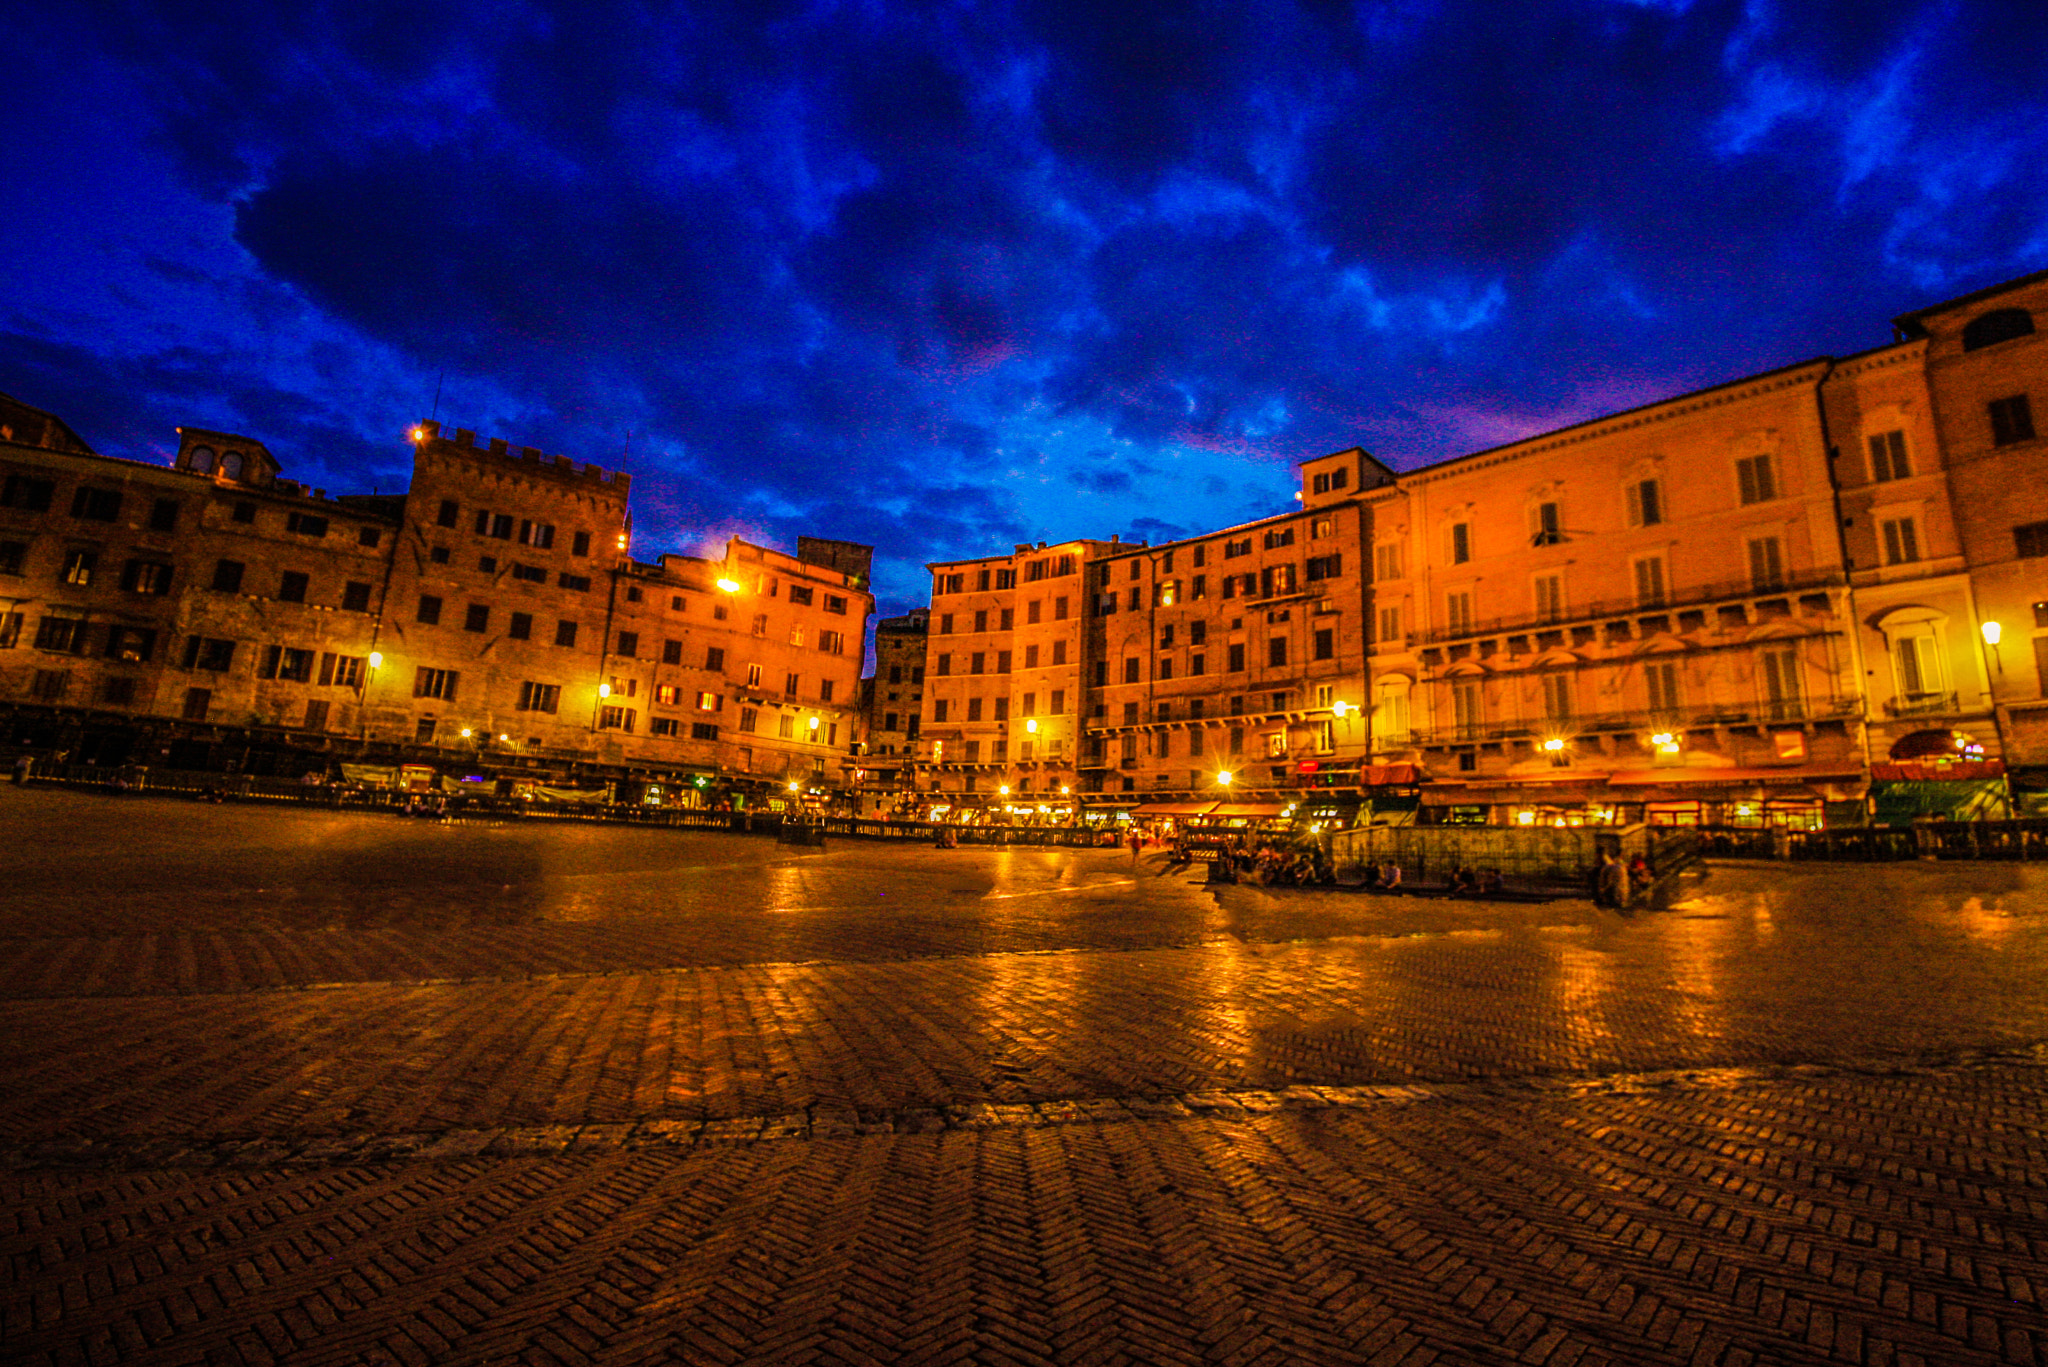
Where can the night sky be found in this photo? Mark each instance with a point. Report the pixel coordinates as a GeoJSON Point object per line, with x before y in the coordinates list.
{"type": "Point", "coordinates": [943, 278]}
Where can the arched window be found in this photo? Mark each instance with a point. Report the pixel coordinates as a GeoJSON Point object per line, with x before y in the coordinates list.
{"type": "Point", "coordinates": [231, 465]}
{"type": "Point", "coordinates": [1999, 325]}
{"type": "Point", "coordinates": [200, 460]}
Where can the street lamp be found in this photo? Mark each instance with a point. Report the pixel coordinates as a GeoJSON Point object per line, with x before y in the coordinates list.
{"type": "Point", "coordinates": [376, 660]}
{"type": "Point", "coordinates": [604, 690]}
{"type": "Point", "coordinates": [1341, 710]}
{"type": "Point", "coordinates": [729, 585]}
{"type": "Point", "coordinates": [1031, 725]}
{"type": "Point", "coordinates": [1224, 777]}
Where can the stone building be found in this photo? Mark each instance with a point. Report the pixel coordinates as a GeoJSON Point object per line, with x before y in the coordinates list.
{"type": "Point", "coordinates": [1235, 664]}
{"type": "Point", "coordinates": [1002, 711]}
{"type": "Point", "coordinates": [491, 619]}
{"type": "Point", "coordinates": [890, 705]}
{"type": "Point", "coordinates": [1985, 358]}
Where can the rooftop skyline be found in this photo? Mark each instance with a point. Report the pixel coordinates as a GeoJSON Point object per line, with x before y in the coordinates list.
{"type": "Point", "coordinates": [945, 281]}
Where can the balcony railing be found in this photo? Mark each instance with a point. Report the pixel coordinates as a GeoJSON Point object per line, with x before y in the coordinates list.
{"type": "Point", "coordinates": [1583, 613]}
{"type": "Point", "coordinates": [1609, 723]}
{"type": "Point", "coordinates": [1921, 705]}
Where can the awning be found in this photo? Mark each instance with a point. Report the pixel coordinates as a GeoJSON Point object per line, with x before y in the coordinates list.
{"type": "Point", "coordinates": [1723, 777]}
{"type": "Point", "coordinates": [1247, 809]}
{"type": "Point", "coordinates": [1173, 809]}
{"type": "Point", "coordinates": [1374, 775]}
{"type": "Point", "coordinates": [1953, 771]}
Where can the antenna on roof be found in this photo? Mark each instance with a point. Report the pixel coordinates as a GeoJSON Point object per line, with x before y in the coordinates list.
{"type": "Point", "coordinates": [437, 394]}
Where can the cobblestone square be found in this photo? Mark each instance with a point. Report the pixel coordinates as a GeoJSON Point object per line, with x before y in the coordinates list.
{"type": "Point", "coordinates": [301, 1086]}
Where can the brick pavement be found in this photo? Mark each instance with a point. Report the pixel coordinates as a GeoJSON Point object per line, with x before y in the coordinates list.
{"type": "Point", "coordinates": [719, 1105]}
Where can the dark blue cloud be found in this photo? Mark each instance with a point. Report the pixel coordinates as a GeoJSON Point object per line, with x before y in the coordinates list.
{"type": "Point", "coordinates": [945, 278]}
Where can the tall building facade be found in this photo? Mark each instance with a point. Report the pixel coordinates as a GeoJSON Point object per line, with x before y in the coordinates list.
{"type": "Point", "coordinates": [492, 618]}
{"type": "Point", "coordinates": [1820, 584]}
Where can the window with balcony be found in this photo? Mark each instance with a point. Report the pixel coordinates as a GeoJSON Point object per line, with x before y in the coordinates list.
{"type": "Point", "coordinates": [1766, 564]}
{"type": "Point", "coordinates": [1660, 678]}
{"type": "Point", "coordinates": [1650, 581]}
{"type": "Point", "coordinates": [1784, 696]}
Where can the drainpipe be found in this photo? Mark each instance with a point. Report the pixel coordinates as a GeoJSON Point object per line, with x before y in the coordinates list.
{"type": "Point", "coordinates": [1820, 405]}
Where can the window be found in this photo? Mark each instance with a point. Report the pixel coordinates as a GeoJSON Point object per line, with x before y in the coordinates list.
{"type": "Point", "coordinates": [530, 574]}
{"type": "Point", "coordinates": [243, 512]}
{"type": "Point", "coordinates": [521, 628]}
{"type": "Point", "coordinates": [1165, 670]}
{"type": "Point", "coordinates": [753, 676]}
{"type": "Point", "coordinates": [1545, 526]}
{"type": "Point", "coordinates": [834, 643]}
{"type": "Point", "coordinates": [2030, 541]}
{"type": "Point", "coordinates": [1390, 623]}
{"type": "Point", "coordinates": [355, 596]}
{"type": "Point", "coordinates": [1059, 703]}
{"type": "Point", "coordinates": [146, 576]}
{"type": "Point", "coordinates": [285, 662]}
{"type": "Point", "coordinates": [1458, 611]}
{"type": "Point", "coordinates": [974, 709]}
{"type": "Point", "coordinates": [78, 567]}
{"type": "Point", "coordinates": [1549, 597]}
{"type": "Point", "coordinates": [368, 536]}
{"type": "Point", "coordinates": [836, 604]}
{"type": "Point", "coordinates": [565, 633]}
{"type": "Point", "coordinates": [423, 731]}
{"type": "Point", "coordinates": [666, 726]}
{"type": "Point", "coordinates": [95, 505]}
{"type": "Point", "coordinates": [120, 692]}
{"type": "Point", "coordinates": [1557, 697]}
{"type": "Point", "coordinates": [1917, 659]}
{"type": "Point", "coordinates": [163, 515]}
{"type": "Point", "coordinates": [940, 708]}
{"type": "Point", "coordinates": [1784, 698]}
{"type": "Point", "coordinates": [1650, 581]}
{"type": "Point", "coordinates": [1901, 540]}
{"type": "Point", "coordinates": [2011, 420]}
{"type": "Point", "coordinates": [434, 683]}
{"type": "Point", "coordinates": [785, 727]}
{"type": "Point", "coordinates": [197, 700]}
{"type": "Point", "coordinates": [446, 517]}
{"type": "Point", "coordinates": [1236, 665]}
{"type": "Point", "coordinates": [825, 687]}
{"type": "Point", "coordinates": [291, 587]}
{"type": "Point", "coordinates": [714, 659]}
{"type": "Point", "coordinates": [1645, 503]}
{"type": "Point", "coordinates": [632, 593]}
{"type": "Point", "coordinates": [305, 524]}
{"type": "Point", "coordinates": [796, 636]}
{"type": "Point", "coordinates": [12, 553]}
{"type": "Point", "coordinates": [477, 617]}
{"type": "Point", "coordinates": [580, 544]}
{"type": "Point", "coordinates": [1661, 680]}
{"type": "Point", "coordinates": [710, 702]}
{"type": "Point", "coordinates": [580, 583]}
{"type": "Point", "coordinates": [1393, 709]}
{"type": "Point", "coordinates": [1766, 564]}
{"type": "Point", "coordinates": [977, 663]}
{"type": "Point", "coordinates": [1325, 643]}
{"type": "Point", "coordinates": [131, 645]}
{"type": "Point", "coordinates": [1325, 567]}
{"type": "Point", "coordinates": [1999, 325]}
{"type": "Point", "coordinates": [1888, 456]}
{"type": "Point", "coordinates": [617, 719]}
{"type": "Point", "coordinates": [1276, 651]}
{"type": "Point", "coordinates": [1133, 670]}
{"type": "Point", "coordinates": [1059, 609]}
{"type": "Point", "coordinates": [497, 526]}
{"type": "Point", "coordinates": [29, 495]}
{"type": "Point", "coordinates": [1461, 542]}
{"type": "Point", "coordinates": [539, 535]}
{"type": "Point", "coordinates": [50, 685]}
{"type": "Point", "coordinates": [703, 730]}
{"type": "Point", "coordinates": [790, 685]}
{"type": "Point", "coordinates": [439, 555]}
{"type": "Point", "coordinates": [1467, 707]}
{"type": "Point", "coordinates": [799, 595]}
{"type": "Point", "coordinates": [341, 671]}
{"type": "Point", "coordinates": [750, 718]}
{"type": "Point", "coordinates": [213, 656]}
{"type": "Point", "coordinates": [429, 609]}
{"type": "Point", "coordinates": [1754, 479]}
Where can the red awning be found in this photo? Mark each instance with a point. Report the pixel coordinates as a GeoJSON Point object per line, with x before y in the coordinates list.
{"type": "Point", "coordinates": [1375, 775]}
{"type": "Point", "coordinates": [1954, 771]}
{"type": "Point", "coordinates": [1712, 777]}
{"type": "Point", "coordinates": [1173, 809]}
{"type": "Point", "coordinates": [1247, 809]}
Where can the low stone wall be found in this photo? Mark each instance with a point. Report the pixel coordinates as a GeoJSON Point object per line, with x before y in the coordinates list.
{"type": "Point", "coordinates": [1521, 854]}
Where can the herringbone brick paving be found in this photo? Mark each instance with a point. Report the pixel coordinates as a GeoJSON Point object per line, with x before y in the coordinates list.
{"type": "Point", "coordinates": [674, 1098]}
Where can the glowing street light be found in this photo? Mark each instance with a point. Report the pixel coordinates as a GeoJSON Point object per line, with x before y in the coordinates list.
{"type": "Point", "coordinates": [376, 659]}
{"type": "Point", "coordinates": [1004, 790]}
{"type": "Point", "coordinates": [1224, 777]}
{"type": "Point", "coordinates": [1666, 742]}
{"type": "Point", "coordinates": [814, 723]}
{"type": "Point", "coordinates": [1031, 725]}
{"type": "Point", "coordinates": [1341, 710]}
{"type": "Point", "coordinates": [604, 690]}
{"type": "Point", "coordinates": [467, 733]}
{"type": "Point", "coordinates": [729, 586]}
{"type": "Point", "coordinates": [1993, 633]}
{"type": "Point", "coordinates": [1554, 745]}
{"type": "Point", "coordinates": [794, 785]}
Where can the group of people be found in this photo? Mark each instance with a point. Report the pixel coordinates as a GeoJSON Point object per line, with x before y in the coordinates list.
{"type": "Point", "coordinates": [1476, 882]}
{"type": "Point", "coordinates": [1617, 884]}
